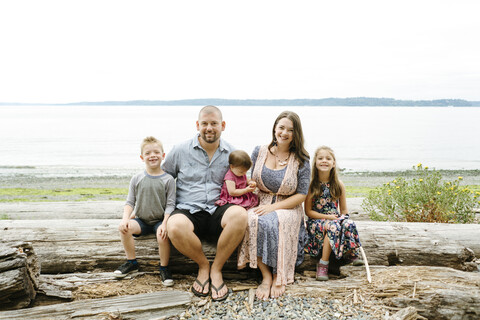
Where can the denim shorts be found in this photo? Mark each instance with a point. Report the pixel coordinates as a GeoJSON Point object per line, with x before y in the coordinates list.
{"type": "Point", "coordinates": [147, 228]}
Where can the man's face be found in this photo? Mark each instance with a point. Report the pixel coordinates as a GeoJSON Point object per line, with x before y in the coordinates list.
{"type": "Point", "coordinates": [210, 126]}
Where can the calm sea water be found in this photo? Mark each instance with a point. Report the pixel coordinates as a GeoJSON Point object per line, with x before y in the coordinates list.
{"type": "Point", "coordinates": [104, 140]}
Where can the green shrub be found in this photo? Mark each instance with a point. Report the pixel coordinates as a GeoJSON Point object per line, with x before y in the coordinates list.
{"type": "Point", "coordinates": [424, 198]}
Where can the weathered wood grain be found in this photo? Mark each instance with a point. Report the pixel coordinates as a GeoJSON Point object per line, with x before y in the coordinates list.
{"type": "Point", "coordinates": [19, 272]}
{"type": "Point", "coordinates": [146, 306]}
{"type": "Point", "coordinates": [78, 245]}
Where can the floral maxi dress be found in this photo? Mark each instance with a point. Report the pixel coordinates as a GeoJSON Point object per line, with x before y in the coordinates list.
{"type": "Point", "coordinates": [342, 233]}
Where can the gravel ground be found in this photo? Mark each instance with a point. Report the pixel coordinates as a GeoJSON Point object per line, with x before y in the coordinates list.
{"type": "Point", "coordinates": [238, 306]}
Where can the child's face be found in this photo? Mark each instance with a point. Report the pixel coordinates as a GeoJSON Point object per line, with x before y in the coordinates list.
{"type": "Point", "coordinates": [324, 161]}
{"type": "Point", "coordinates": [152, 155]}
{"type": "Point", "coordinates": [239, 171]}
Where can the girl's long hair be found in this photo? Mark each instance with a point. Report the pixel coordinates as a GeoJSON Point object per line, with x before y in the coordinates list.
{"type": "Point", "coordinates": [297, 144]}
{"type": "Point", "coordinates": [316, 188]}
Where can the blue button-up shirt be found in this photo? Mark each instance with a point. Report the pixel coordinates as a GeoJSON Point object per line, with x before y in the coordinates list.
{"type": "Point", "coordinates": [199, 180]}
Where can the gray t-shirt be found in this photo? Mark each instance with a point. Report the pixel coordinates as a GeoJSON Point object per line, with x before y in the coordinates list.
{"type": "Point", "coordinates": [151, 196]}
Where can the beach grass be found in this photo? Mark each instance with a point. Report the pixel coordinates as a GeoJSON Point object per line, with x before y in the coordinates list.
{"type": "Point", "coordinates": [70, 194]}
{"type": "Point", "coordinates": [115, 188]}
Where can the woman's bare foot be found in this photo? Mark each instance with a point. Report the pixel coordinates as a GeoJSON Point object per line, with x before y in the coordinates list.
{"type": "Point", "coordinates": [276, 290]}
{"type": "Point", "coordinates": [263, 291]}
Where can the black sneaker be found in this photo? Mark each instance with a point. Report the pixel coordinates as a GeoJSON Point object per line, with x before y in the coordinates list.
{"type": "Point", "coordinates": [125, 269]}
{"type": "Point", "coordinates": [166, 275]}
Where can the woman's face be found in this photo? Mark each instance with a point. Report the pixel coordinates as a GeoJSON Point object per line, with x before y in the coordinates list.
{"type": "Point", "coordinates": [284, 131]}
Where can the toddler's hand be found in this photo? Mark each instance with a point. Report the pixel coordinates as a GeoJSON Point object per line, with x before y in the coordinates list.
{"type": "Point", "coordinates": [252, 184]}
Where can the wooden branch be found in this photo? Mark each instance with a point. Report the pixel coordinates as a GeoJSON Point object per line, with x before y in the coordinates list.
{"type": "Point", "coordinates": [78, 245]}
{"type": "Point", "coordinates": [144, 306]}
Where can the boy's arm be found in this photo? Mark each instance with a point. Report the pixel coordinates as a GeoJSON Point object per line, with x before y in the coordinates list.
{"type": "Point", "coordinates": [170, 196]}
{"type": "Point", "coordinates": [127, 212]}
{"type": "Point", "coordinates": [131, 199]}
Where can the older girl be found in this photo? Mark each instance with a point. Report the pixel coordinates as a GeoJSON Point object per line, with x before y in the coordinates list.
{"type": "Point", "coordinates": [328, 227]}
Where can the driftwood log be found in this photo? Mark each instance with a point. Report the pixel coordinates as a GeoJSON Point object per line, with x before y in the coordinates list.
{"type": "Point", "coordinates": [79, 245]}
{"type": "Point", "coordinates": [404, 292]}
{"type": "Point", "coordinates": [155, 305]}
{"type": "Point", "coordinates": [19, 273]}
{"type": "Point", "coordinates": [435, 292]}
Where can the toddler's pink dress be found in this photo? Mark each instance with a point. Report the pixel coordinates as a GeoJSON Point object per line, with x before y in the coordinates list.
{"type": "Point", "coordinates": [247, 200]}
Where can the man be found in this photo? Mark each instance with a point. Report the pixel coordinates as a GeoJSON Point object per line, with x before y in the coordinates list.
{"type": "Point", "coordinates": [199, 166]}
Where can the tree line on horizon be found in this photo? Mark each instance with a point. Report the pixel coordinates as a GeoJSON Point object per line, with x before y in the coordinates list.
{"type": "Point", "coordinates": [360, 101]}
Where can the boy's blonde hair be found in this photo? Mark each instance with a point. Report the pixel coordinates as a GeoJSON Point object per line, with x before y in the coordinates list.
{"type": "Point", "coordinates": [149, 140]}
{"type": "Point", "coordinates": [316, 188]}
{"type": "Point", "coordinates": [240, 158]}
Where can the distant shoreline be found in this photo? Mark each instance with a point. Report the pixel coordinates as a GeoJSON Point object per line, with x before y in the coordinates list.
{"type": "Point", "coordinates": [326, 102]}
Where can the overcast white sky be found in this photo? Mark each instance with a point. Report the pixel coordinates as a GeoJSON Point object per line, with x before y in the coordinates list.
{"type": "Point", "coordinates": [71, 51]}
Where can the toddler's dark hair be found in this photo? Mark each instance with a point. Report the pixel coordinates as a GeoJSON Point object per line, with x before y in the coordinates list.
{"type": "Point", "coordinates": [240, 158]}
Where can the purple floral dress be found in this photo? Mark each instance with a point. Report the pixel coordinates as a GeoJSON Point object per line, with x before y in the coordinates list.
{"type": "Point", "coordinates": [342, 233]}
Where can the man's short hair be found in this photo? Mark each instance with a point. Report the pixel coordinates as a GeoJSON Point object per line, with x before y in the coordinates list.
{"type": "Point", "coordinates": [210, 109]}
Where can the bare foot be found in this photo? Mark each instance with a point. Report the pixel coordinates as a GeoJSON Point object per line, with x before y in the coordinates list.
{"type": "Point", "coordinates": [202, 277]}
{"type": "Point", "coordinates": [263, 291]}
{"type": "Point", "coordinates": [276, 290]}
{"type": "Point", "coordinates": [217, 281]}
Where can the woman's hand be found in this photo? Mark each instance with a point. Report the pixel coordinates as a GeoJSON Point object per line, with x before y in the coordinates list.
{"type": "Point", "coordinates": [263, 209]}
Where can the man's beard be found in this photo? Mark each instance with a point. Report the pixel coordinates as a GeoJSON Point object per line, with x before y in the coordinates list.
{"type": "Point", "coordinates": [213, 139]}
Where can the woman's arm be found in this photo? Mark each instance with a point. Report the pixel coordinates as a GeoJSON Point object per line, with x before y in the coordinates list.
{"type": "Point", "coordinates": [314, 214]}
{"type": "Point", "coordinates": [288, 203]}
{"type": "Point", "coordinates": [343, 200]}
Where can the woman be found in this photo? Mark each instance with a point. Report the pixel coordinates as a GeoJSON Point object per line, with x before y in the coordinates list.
{"type": "Point", "coordinates": [282, 173]}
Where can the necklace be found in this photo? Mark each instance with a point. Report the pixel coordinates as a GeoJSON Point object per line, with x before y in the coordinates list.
{"type": "Point", "coordinates": [282, 162]}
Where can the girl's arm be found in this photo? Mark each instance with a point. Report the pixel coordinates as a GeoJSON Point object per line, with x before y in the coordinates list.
{"type": "Point", "coordinates": [234, 192]}
{"type": "Point", "coordinates": [314, 214]}
{"type": "Point", "coordinates": [342, 201]}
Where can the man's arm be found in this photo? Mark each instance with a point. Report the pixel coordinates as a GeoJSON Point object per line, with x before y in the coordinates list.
{"type": "Point", "coordinates": [170, 165]}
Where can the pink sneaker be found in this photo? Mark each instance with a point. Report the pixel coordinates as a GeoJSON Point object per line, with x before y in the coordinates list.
{"type": "Point", "coordinates": [322, 272]}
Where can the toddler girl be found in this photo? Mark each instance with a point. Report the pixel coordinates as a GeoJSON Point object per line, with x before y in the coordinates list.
{"type": "Point", "coordinates": [237, 189]}
{"type": "Point", "coordinates": [329, 229]}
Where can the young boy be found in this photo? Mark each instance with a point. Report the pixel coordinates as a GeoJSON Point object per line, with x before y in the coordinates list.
{"type": "Point", "coordinates": [151, 199]}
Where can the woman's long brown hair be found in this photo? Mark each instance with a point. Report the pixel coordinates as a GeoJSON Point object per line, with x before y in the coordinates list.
{"type": "Point", "coordinates": [297, 144]}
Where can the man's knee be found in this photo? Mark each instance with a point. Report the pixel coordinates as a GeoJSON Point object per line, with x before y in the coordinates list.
{"type": "Point", "coordinates": [235, 216]}
{"type": "Point", "coordinates": [178, 225]}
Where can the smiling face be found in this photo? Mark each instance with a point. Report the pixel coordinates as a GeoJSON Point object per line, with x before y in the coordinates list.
{"type": "Point", "coordinates": [324, 161]}
{"type": "Point", "coordinates": [284, 132]}
{"type": "Point", "coordinates": [152, 155]}
{"type": "Point", "coordinates": [210, 126]}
